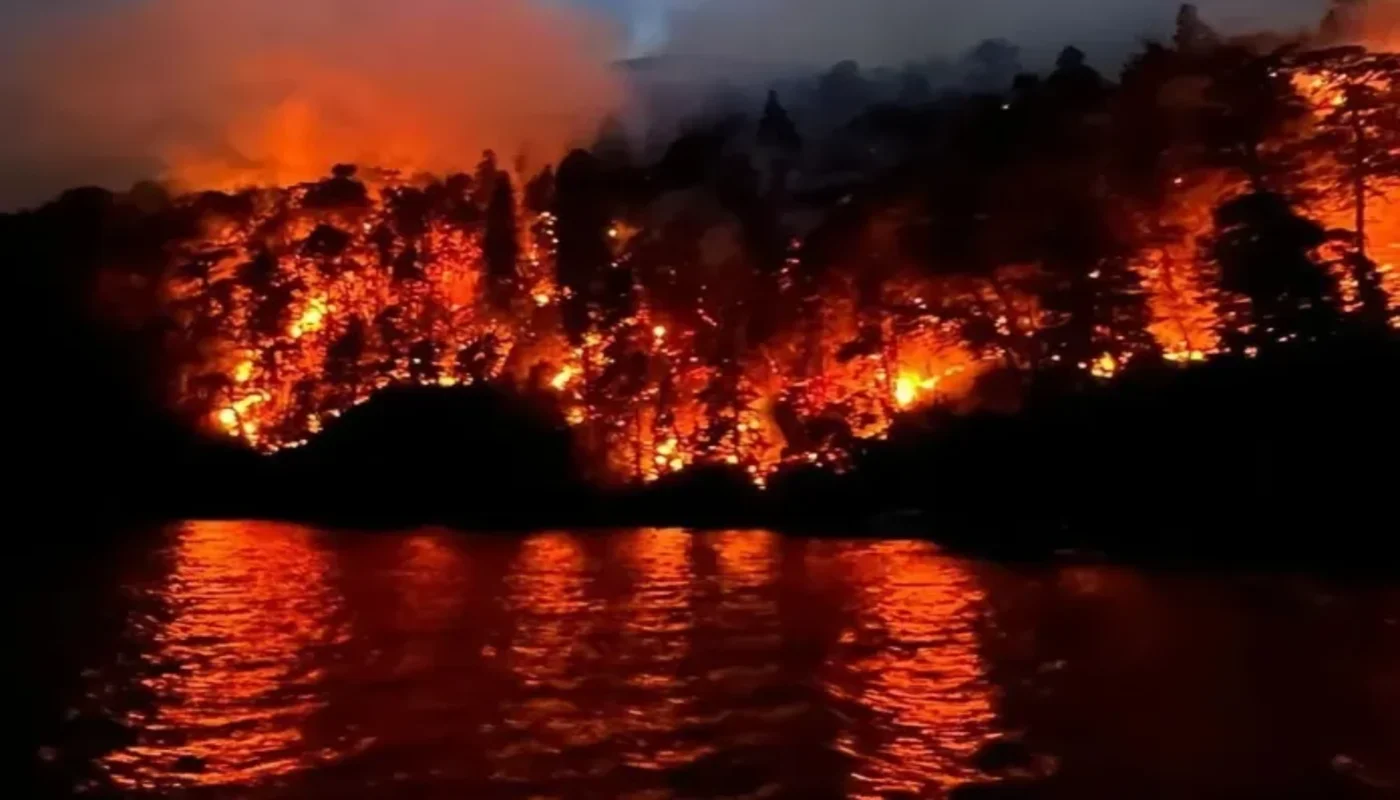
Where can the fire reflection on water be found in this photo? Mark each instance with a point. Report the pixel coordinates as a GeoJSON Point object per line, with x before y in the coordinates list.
{"type": "Point", "coordinates": [746, 559]}
{"type": "Point", "coordinates": [546, 655]}
{"type": "Point", "coordinates": [644, 661]}
{"type": "Point", "coordinates": [545, 591]}
{"type": "Point", "coordinates": [233, 674]}
{"type": "Point", "coordinates": [654, 620]}
{"type": "Point", "coordinates": [275, 661]}
{"type": "Point", "coordinates": [431, 577]}
{"type": "Point", "coordinates": [910, 658]}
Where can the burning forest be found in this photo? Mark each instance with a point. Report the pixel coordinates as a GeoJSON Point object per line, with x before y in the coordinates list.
{"type": "Point", "coordinates": [295, 304]}
{"type": "Point", "coordinates": [758, 294]}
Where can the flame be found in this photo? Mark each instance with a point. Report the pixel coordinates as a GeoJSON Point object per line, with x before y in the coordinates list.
{"type": "Point", "coordinates": [352, 324]}
{"type": "Point", "coordinates": [1326, 91]}
{"type": "Point", "coordinates": [561, 380]}
{"type": "Point", "coordinates": [909, 388]}
{"type": "Point", "coordinates": [1105, 366]}
{"type": "Point", "coordinates": [312, 319]}
{"type": "Point", "coordinates": [306, 307]}
{"type": "Point", "coordinates": [326, 304]}
{"type": "Point", "coordinates": [243, 372]}
{"type": "Point", "coordinates": [229, 419]}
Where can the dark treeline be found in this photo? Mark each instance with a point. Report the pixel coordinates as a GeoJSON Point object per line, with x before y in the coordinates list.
{"type": "Point", "coordinates": [1220, 200]}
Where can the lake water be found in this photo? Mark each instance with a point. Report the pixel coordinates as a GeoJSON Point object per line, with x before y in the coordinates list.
{"type": "Point", "coordinates": [260, 660]}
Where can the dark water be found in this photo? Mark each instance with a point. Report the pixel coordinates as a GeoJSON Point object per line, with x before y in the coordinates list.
{"type": "Point", "coordinates": [260, 660]}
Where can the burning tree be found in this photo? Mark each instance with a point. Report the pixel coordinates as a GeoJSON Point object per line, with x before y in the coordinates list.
{"type": "Point", "coordinates": [1355, 144]}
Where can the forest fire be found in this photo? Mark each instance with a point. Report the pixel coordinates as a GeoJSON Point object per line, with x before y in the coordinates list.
{"type": "Point", "coordinates": [292, 304]}
{"type": "Point", "coordinates": [299, 309]}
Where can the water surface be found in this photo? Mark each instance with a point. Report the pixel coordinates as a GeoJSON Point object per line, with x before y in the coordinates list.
{"type": "Point", "coordinates": [261, 660]}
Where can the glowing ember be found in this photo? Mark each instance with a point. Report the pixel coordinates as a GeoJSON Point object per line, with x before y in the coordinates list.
{"type": "Point", "coordinates": [909, 388]}
{"type": "Point", "coordinates": [312, 319]}
{"type": "Point", "coordinates": [1105, 366]}
{"type": "Point", "coordinates": [561, 380]}
{"type": "Point", "coordinates": [229, 419]}
{"type": "Point", "coordinates": [905, 390]}
{"type": "Point", "coordinates": [243, 372]}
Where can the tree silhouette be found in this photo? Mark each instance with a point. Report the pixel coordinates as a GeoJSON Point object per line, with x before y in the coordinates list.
{"type": "Point", "coordinates": [843, 90]}
{"type": "Point", "coordinates": [1193, 36]}
{"type": "Point", "coordinates": [1249, 100]}
{"type": "Point", "coordinates": [914, 87]}
{"type": "Point", "coordinates": [484, 180]}
{"type": "Point", "coordinates": [775, 128]}
{"type": "Point", "coordinates": [1073, 91]}
{"type": "Point", "coordinates": [992, 65]}
{"type": "Point", "coordinates": [695, 154]}
{"type": "Point", "coordinates": [1265, 251]}
{"type": "Point", "coordinates": [539, 191]}
{"type": "Point", "coordinates": [611, 147]}
{"type": "Point", "coordinates": [501, 245]}
{"type": "Point", "coordinates": [581, 204]}
{"type": "Point", "coordinates": [344, 354]}
{"type": "Point", "coordinates": [1095, 300]}
{"type": "Point", "coordinates": [341, 190]}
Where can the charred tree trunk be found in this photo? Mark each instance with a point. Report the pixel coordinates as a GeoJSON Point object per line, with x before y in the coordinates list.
{"type": "Point", "coordinates": [1363, 270]}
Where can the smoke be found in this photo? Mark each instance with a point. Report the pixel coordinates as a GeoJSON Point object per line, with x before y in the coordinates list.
{"type": "Point", "coordinates": [215, 94]}
{"type": "Point", "coordinates": [1380, 24]}
{"type": "Point", "coordinates": [820, 32]}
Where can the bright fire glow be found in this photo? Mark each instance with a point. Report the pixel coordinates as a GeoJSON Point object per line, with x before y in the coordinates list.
{"type": "Point", "coordinates": [243, 372]}
{"type": "Point", "coordinates": [297, 303]}
{"type": "Point", "coordinates": [909, 388]}
{"type": "Point", "coordinates": [561, 380]}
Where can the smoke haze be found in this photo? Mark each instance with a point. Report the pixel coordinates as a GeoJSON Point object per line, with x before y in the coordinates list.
{"type": "Point", "coordinates": [1381, 25]}
{"type": "Point", "coordinates": [209, 93]}
{"type": "Point", "coordinates": [216, 94]}
{"type": "Point", "coordinates": [819, 32]}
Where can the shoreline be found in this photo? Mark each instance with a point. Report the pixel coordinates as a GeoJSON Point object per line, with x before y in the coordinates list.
{"type": "Point", "coordinates": [1288, 458]}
